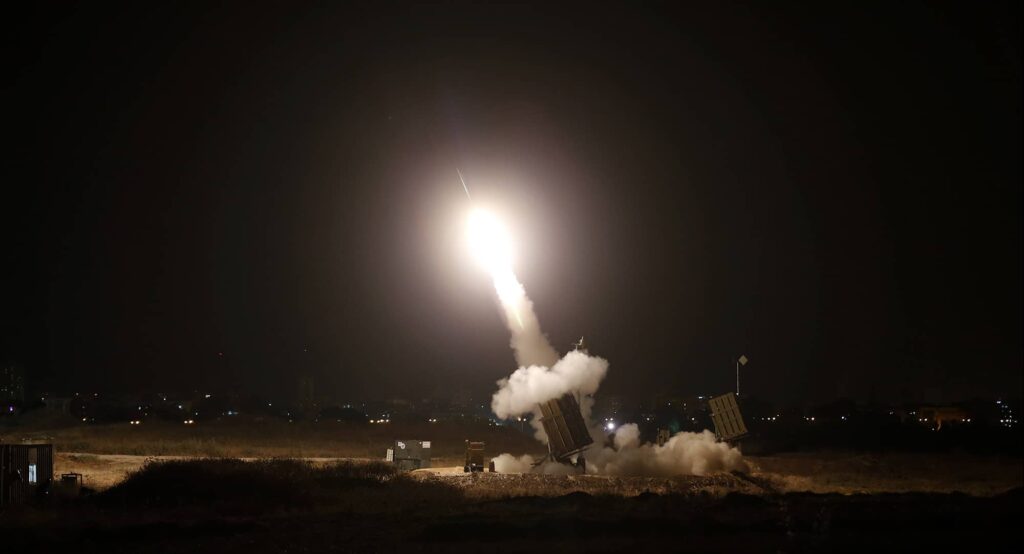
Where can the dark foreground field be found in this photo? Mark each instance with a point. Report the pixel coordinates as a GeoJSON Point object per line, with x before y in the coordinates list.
{"type": "Point", "coordinates": [789, 502]}
{"type": "Point", "coordinates": [291, 506]}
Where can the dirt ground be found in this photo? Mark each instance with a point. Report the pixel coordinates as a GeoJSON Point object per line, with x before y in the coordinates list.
{"type": "Point", "coordinates": [856, 473]}
{"type": "Point", "coordinates": [247, 439]}
{"type": "Point", "coordinates": [102, 471]}
{"type": "Point", "coordinates": [820, 472]}
{"type": "Point", "coordinates": [798, 502]}
{"type": "Point", "coordinates": [105, 454]}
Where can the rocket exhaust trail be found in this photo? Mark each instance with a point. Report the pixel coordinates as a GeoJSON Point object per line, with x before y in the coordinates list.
{"type": "Point", "coordinates": [492, 247]}
{"type": "Point", "coordinates": [464, 187]}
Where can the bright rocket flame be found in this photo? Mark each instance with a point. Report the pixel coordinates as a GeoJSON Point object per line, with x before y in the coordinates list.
{"type": "Point", "coordinates": [490, 242]}
{"type": "Point", "coordinates": [491, 245]}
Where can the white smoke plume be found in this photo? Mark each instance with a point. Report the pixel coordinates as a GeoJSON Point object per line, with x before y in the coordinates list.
{"type": "Point", "coordinates": [530, 346]}
{"type": "Point", "coordinates": [581, 374]}
{"type": "Point", "coordinates": [520, 393]}
{"type": "Point", "coordinates": [491, 244]}
{"type": "Point", "coordinates": [683, 454]}
{"type": "Point", "coordinates": [507, 463]}
{"type": "Point", "coordinates": [527, 387]}
{"type": "Point", "coordinates": [542, 376]}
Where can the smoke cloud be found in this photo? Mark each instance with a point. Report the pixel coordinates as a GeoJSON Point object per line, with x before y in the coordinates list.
{"type": "Point", "coordinates": [543, 376]}
{"type": "Point", "coordinates": [527, 387]}
{"type": "Point", "coordinates": [507, 463]}
{"type": "Point", "coordinates": [530, 346]}
{"type": "Point", "coordinates": [520, 393]}
{"type": "Point", "coordinates": [683, 454]}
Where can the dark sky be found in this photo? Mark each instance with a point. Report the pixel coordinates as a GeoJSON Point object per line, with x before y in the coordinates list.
{"type": "Point", "coordinates": [833, 191]}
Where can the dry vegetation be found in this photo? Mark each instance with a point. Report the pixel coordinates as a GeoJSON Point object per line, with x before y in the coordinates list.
{"type": "Point", "coordinates": [225, 485]}
{"type": "Point", "coordinates": [894, 472]}
{"type": "Point", "coordinates": [492, 486]}
{"type": "Point", "coordinates": [274, 502]}
{"type": "Point", "coordinates": [225, 505]}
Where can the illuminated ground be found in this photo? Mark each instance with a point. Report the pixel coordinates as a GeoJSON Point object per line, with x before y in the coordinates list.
{"type": "Point", "coordinates": [823, 472]}
{"type": "Point", "coordinates": [226, 505]}
{"type": "Point", "coordinates": [828, 500]}
{"type": "Point", "coordinates": [104, 454]}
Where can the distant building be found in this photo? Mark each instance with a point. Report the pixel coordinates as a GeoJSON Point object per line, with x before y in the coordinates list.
{"type": "Point", "coordinates": [614, 405]}
{"type": "Point", "coordinates": [26, 471]}
{"type": "Point", "coordinates": [12, 384]}
{"type": "Point", "coordinates": [57, 404]}
{"type": "Point", "coordinates": [461, 399]}
{"type": "Point", "coordinates": [1006, 414]}
{"type": "Point", "coordinates": [938, 415]}
{"type": "Point", "coordinates": [307, 396]}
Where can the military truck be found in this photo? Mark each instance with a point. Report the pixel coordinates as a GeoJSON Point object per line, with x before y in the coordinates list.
{"type": "Point", "coordinates": [475, 458]}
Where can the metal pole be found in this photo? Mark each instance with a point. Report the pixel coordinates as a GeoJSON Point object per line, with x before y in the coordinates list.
{"type": "Point", "coordinates": [737, 377]}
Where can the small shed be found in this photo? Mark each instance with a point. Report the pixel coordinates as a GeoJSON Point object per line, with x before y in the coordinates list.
{"type": "Point", "coordinates": [26, 471]}
{"type": "Point", "coordinates": [409, 454]}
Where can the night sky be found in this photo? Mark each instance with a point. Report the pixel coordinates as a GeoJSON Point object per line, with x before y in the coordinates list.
{"type": "Point", "coordinates": [834, 192]}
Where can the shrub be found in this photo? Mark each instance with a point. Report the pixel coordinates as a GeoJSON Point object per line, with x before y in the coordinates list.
{"type": "Point", "coordinates": [235, 487]}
